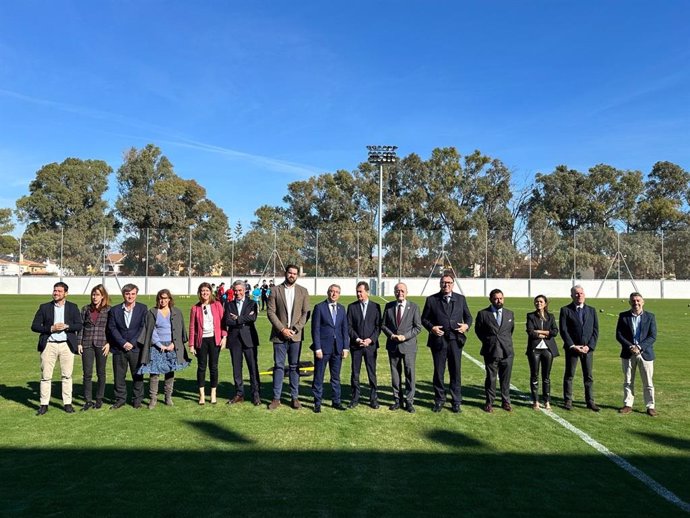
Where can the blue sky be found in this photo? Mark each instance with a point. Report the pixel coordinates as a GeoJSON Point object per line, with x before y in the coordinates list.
{"type": "Point", "coordinates": [246, 97]}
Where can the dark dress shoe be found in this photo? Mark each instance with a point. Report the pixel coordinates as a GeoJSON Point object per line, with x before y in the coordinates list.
{"type": "Point", "coordinates": [338, 406]}
{"type": "Point", "coordinates": [117, 404]}
{"type": "Point", "coordinates": [42, 410]}
{"type": "Point", "coordinates": [99, 404]}
{"type": "Point", "coordinates": [136, 404]}
{"type": "Point", "coordinates": [69, 409]}
{"type": "Point", "coordinates": [317, 409]}
{"type": "Point", "coordinates": [353, 404]}
{"type": "Point", "coordinates": [410, 408]}
{"type": "Point", "coordinates": [506, 406]}
{"type": "Point", "coordinates": [568, 405]}
{"type": "Point", "coordinates": [256, 401]}
{"type": "Point", "coordinates": [455, 408]}
{"type": "Point", "coordinates": [437, 407]}
{"type": "Point", "coordinates": [593, 406]}
{"type": "Point", "coordinates": [87, 406]}
{"type": "Point", "coordinates": [239, 398]}
{"type": "Point", "coordinates": [489, 409]}
{"type": "Point", "coordinates": [375, 405]}
{"type": "Point", "coordinates": [394, 406]}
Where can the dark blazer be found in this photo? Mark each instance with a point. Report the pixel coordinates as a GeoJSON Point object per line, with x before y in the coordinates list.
{"type": "Point", "coordinates": [410, 326]}
{"type": "Point", "coordinates": [242, 330]}
{"type": "Point", "coordinates": [118, 334]}
{"type": "Point", "coordinates": [178, 331]}
{"type": "Point", "coordinates": [276, 311]}
{"type": "Point", "coordinates": [497, 341]}
{"type": "Point", "coordinates": [44, 319]}
{"type": "Point", "coordinates": [437, 313]}
{"type": "Point", "coordinates": [534, 323]}
{"type": "Point", "coordinates": [624, 334]}
{"type": "Point", "coordinates": [364, 326]}
{"type": "Point", "coordinates": [575, 333]}
{"type": "Point", "coordinates": [327, 336]}
{"type": "Point", "coordinates": [93, 333]}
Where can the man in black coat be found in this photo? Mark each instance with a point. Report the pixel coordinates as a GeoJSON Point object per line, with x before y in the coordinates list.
{"type": "Point", "coordinates": [447, 318]}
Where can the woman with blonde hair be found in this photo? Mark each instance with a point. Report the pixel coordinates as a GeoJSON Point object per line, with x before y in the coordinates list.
{"type": "Point", "coordinates": [206, 338]}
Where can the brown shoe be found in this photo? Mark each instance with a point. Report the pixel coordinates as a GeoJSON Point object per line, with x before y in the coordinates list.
{"type": "Point", "coordinates": [489, 409]}
{"type": "Point", "coordinates": [506, 406]}
{"type": "Point", "coordinates": [296, 404]}
{"type": "Point", "coordinates": [239, 398]}
{"type": "Point", "coordinates": [625, 410]}
{"type": "Point", "coordinates": [275, 403]}
{"type": "Point", "coordinates": [652, 413]}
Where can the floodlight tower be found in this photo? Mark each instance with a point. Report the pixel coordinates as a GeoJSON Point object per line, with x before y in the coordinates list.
{"type": "Point", "coordinates": [381, 155]}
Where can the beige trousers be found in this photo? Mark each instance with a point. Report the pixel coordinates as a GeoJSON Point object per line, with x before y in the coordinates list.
{"type": "Point", "coordinates": [55, 352]}
{"type": "Point", "coordinates": [646, 373]}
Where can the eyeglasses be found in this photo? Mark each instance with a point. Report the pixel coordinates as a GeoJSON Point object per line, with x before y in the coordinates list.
{"type": "Point", "coordinates": [205, 310]}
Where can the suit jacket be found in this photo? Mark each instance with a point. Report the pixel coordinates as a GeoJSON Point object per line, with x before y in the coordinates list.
{"type": "Point", "coordinates": [326, 335]}
{"type": "Point", "coordinates": [196, 323]}
{"type": "Point", "coordinates": [277, 312]}
{"type": "Point", "coordinates": [534, 322]}
{"type": "Point", "coordinates": [437, 313]}
{"type": "Point", "coordinates": [242, 330]}
{"type": "Point", "coordinates": [497, 341]}
{"type": "Point", "coordinates": [624, 334]}
{"type": "Point", "coordinates": [44, 319]}
{"type": "Point", "coordinates": [118, 333]}
{"type": "Point", "coordinates": [93, 333]}
{"type": "Point", "coordinates": [364, 326]}
{"type": "Point", "coordinates": [573, 331]}
{"type": "Point", "coordinates": [178, 331]}
{"type": "Point", "coordinates": [410, 326]}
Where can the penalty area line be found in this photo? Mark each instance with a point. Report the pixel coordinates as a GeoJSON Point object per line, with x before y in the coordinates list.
{"type": "Point", "coordinates": [613, 457]}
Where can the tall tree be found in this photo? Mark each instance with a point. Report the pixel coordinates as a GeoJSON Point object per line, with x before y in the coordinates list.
{"type": "Point", "coordinates": [8, 244]}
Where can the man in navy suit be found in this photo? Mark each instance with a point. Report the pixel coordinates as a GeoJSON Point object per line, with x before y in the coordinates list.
{"type": "Point", "coordinates": [239, 319]}
{"type": "Point", "coordinates": [401, 325]}
{"type": "Point", "coordinates": [125, 323]}
{"type": "Point", "coordinates": [447, 318]}
{"type": "Point", "coordinates": [636, 332]}
{"type": "Point", "coordinates": [364, 325]}
{"type": "Point", "coordinates": [579, 328]}
{"type": "Point", "coordinates": [494, 327]}
{"type": "Point", "coordinates": [58, 323]}
{"type": "Point", "coordinates": [331, 345]}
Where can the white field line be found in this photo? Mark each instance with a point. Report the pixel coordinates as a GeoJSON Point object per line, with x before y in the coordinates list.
{"type": "Point", "coordinates": [616, 459]}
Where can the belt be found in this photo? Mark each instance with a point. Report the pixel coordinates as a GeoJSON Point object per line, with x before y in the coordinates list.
{"type": "Point", "coordinates": [57, 341]}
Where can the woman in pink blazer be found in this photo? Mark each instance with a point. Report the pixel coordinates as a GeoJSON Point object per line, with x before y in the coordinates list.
{"type": "Point", "coordinates": [206, 339]}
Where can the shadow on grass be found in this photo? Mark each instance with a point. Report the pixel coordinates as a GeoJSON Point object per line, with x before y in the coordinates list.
{"type": "Point", "coordinates": [666, 440]}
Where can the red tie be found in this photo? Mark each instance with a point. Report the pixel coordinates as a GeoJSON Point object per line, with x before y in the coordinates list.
{"type": "Point", "coordinates": [398, 316]}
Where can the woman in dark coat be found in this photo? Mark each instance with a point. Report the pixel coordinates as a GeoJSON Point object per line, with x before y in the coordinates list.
{"type": "Point", "coordinates": [541, 349]}
{"type": "Point", "coordinates": [93, 345]}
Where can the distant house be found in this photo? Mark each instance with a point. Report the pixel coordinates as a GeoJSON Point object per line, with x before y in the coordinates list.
{"type": "Point", "coordinates": [10, 266]}
{"type": "Point", "coordinates": [113, 263]}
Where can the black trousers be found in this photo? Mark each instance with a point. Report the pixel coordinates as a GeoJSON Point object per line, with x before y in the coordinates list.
{"type": "Point", "coordinates": [540, 358]}
{"type": "Point", "coordinates": [207, 354]}
{"type": "Point", "coordinates": [571, 360]}
{"type": "Point", "coordinates": [451, 354]}
{"type": "Point", "coordinates": [250, 356]}
{"type": "Point", "coordinates": [122, 362]}
{"type": "Point", "coordinates": [89, 356]}
{"type": "Point", "coordinates": [369, 355]}
{"type": "Point", "coordinates": [504, 368]}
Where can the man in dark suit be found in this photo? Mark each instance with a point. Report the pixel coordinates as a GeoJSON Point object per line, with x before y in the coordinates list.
{"type": "Point", "coordinates": [579, 327]}
{"type": "Point", "coordinates": [447, 318]}
{"type": "Point", "coordinates": [287, 311]}
{"type": "Point", "coordinates": [494, 327]}
{"type": "Point", "coordinates": [401, 325]}
{"type": "Point", "coordinates": [239, 319]}
{"type": "Point", "coordinates": [331, 345]}
{"type": "Point", "coordinates": [636, 332]}
{"type": "Point", "coordinates": [364, 325]}
{"type": "Point", "coordinates": [58, 323]}
{"type": "Point", "coordinates": [125, 323]}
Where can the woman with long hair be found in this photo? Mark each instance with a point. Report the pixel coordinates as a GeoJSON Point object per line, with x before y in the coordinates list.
{"type": "Point", "coordinates": [93, 345]}
{"type": "Point", "coordinates": [541, 349]}
{"type": "Point", "coordinates": [206, 338]}
{"type": "Point", "coordinates": [163, 350]}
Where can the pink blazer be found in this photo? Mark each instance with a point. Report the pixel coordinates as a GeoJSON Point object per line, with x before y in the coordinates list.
{"type": "Point", "coordinates": [196, 324]}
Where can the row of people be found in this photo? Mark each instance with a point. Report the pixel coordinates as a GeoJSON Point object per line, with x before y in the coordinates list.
{"type": "Point", "coordinates": [152, 342]}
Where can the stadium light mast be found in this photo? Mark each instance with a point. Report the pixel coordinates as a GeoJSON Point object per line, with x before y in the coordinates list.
{"type": "Point", "coordinates": [381, 155]}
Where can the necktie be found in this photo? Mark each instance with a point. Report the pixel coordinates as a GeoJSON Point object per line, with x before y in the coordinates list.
{"type": "Point", "coordinates": [581, 314]}
{"type": "Point", "coordinates": [364, 309]}
{"type": "Point", "coordinates": [398, 316]}
{"type": "Point", "coordinates": [239, 306]}
{"type": "Point", "coordinates": [333, 312]}
{"type": "Point", "coordinates": [447, 297]}
{"type": "Point", "coordinates": [499, 316]}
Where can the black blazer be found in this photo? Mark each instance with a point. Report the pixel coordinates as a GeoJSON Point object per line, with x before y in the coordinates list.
{"type": "Point", "coordinates": [573, 331]}
{"type": "Point", "coordinates": [624, 334]}
{"type": "Point", "coordinates": [364, 326]}
{"type": "Point", "coordinates": [497, 341]}
{"type": "Point", "coordinates": [534, 323]}
{"type": "Point", "coordinates": [118, 333]}
{"type": "Point", "coordinates": [242, 330]}
{"type": "Point", "coordinates": [437, 313]}
{"type": "Point", "coordinates": [43, 320]}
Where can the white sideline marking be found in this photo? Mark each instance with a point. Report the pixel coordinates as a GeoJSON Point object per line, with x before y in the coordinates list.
{"type": "Point", "coordinates": [613, 457]}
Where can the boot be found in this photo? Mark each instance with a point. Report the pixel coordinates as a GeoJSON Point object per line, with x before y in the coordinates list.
{"type": "Point", "coordinates": [213, 396]}
{"type": "Point", "coordinates": [202, 396]}
{"type": "Point", "coordinates": [169, 382]}
{"type": "Point", "coordinates": [153, 391]}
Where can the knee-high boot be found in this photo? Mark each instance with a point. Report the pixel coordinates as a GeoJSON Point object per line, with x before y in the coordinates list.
{"type": "Point", "coordinates": [153, 391]}
{"type": "Point", "coordinates": [169, 382]}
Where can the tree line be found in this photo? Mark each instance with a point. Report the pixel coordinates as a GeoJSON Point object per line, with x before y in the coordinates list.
{"type": "Point", "coordinates": [463, 205]}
